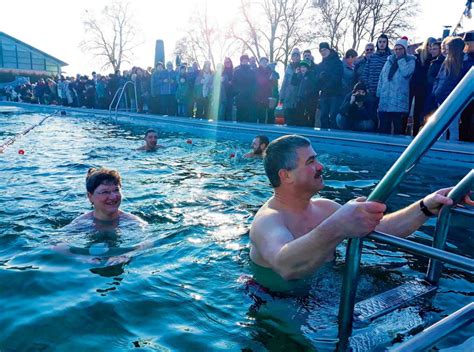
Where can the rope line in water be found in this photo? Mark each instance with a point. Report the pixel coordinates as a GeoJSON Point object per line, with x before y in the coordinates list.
{"type": "Point", "coordinates": [12, 140]}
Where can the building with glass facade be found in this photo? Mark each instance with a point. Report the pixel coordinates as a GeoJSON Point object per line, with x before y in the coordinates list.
{"type": "Point", "coordinates": [19, 58]}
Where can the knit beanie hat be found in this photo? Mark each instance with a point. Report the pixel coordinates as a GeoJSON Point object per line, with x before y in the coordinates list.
{"type": "Point", "coordinates": [403, 41]}
{"type": "Point", "coordinates": [324, 45]}
{"type": "Point", "coordinates": [305, 63]}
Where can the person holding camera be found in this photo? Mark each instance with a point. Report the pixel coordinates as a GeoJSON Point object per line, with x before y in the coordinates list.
{"type": "Point", "coordinates": [357, 112]}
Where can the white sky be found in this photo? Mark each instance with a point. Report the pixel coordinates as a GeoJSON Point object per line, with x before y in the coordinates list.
{"type": "Point", "coordinates": [55, 26]}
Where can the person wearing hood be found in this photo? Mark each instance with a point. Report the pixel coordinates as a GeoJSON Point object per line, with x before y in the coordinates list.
{"type": "Point", "coordinates": [330, 73]}
{"type": "Point", "coordinates": [393, 89]}
{"type": "Point", "coordinates": [289, 91]}
{"type": "Point", "coordinates": [306, 97]}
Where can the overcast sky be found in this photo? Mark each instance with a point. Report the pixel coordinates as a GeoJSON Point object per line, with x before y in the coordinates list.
{"type": "Point", "coordinates": [55, 26]}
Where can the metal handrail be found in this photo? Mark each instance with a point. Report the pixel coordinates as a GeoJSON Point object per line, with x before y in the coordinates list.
{"type": "Point", "coordinates": [113, 100]}
{"type": "Point", "coordinates": [462, 94]}
{"type": "Point", "coordinates": [121, 95]}
{"type": "Point", "coordinates": [442, 224]}
{"type": "Point", "coordinates": [428, 337]}
{"type": "Point", "coordinates": [427, 251]}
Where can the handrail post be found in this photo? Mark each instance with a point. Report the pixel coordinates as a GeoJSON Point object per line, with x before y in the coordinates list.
{"type": "Point", "coordinates": [438, 123]}
{"type": "Point", "coordinates": [442, 225]}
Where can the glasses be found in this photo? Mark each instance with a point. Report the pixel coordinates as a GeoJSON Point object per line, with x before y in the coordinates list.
{"type": "Point", "coordinates": [108, 193]}
{"type": "Point", "coordinates": [367, 50]}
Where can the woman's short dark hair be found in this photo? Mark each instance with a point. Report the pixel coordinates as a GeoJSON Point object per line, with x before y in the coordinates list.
{"type": "Point", "coordinates": [281, 154]}
{"type": "Point", "coordinates": [96, 177]}
{"type": "Point", "coordinates": [351, 53]}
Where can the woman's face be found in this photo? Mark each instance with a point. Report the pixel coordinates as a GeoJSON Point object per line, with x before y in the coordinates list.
{"type": "Point", "coordinates": [399, 50]}
{"type": "Point", "coordinates": [435, 50]}
{"type": "Point", "coordinates": [106, 198]}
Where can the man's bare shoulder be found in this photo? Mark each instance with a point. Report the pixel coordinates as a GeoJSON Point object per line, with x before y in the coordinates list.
{"type": "Point", "coordinates": [326, 204]}
{"type": "Point", "coordinates": [267, 217]}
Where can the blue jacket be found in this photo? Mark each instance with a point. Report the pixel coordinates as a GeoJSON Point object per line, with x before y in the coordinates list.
{"type": "Point", "coordinates": [444, 84]}
{"type": "Point", "coordinates": [167, 81]}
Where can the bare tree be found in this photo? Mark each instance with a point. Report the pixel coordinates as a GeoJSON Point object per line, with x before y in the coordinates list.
{"type": "Point", "coordinates": [272, 28]}
{"type": "Point", "coordinates": [203, 40]}
{"type": "Point", "coordinates": [342, 22]}
{"type": "Point", "coordinates": [112, 36]}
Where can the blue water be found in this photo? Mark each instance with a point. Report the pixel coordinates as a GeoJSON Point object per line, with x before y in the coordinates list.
{"type": "Point", "coordinates": [187, 292]}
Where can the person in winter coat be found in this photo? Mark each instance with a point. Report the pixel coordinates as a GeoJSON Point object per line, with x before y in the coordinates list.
{"type": "Point", "coordinates": [418, 82]}
{"type": "Point", "coordinates": [203, 90]}
{"type": "Point", "coordinates": [451, 70]}
{"type": "Point", "coordinates": [348, 75]}
{"type": "Point", "coordinates": [245, 84]}
{"type": "Point", "coordinates": [306, 98]}
{"type": "Point", "coordinates": [437, 60]}
{"type": "Point", "coordinates": [375, 63]}
{"type": "Point", "coordinates": [155, 88]}
{"type": "Point", "coordinates": [330, 72]}
{"type": "Point", "coordinates": [466, 130]}
{"type": "Point", "coordinates": [182, 91]}
{"type": "Point", "coordinates": [361, 61]}
{"type": "Point", "coordinates": [168, 85]}
{"type": "Point", "coordinates": [289, 91]}
{"type": "Point", "coordinates": [357, 112]}
{"type": "Point", "coordinates": [393, 89]}
{"type": "Point", "coordinates": [227, 91]}
{"type": "Point", "coordinates": [264, 89]}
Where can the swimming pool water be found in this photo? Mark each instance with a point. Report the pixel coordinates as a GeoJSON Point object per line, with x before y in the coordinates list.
{"type": "Point", "coordinates": [187, 292]}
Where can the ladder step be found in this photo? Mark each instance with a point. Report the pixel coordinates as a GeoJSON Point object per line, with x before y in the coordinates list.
{"type": "Point", "coordinates": [385, 302]}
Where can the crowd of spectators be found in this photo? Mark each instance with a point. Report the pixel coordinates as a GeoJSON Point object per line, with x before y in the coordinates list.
{"type": "Point", "coordinates": [383, 90]}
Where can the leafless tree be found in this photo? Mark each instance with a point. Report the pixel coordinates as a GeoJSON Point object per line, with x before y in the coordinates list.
{"type": "Point", "coordinates": [203, 40]}
{"type": "Point", "coordinates": [272, 28]}
{"type": "Point", "coordinates": [112, 36]}
{"type": "Point", "coordinates": [341, 22]}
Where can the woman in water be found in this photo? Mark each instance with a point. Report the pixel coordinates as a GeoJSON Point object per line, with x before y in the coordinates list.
{"type": "Point", "coordinates": [104, 191]}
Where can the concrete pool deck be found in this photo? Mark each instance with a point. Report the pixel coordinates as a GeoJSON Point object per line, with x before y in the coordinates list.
{"type": "Point", "coordinates": [366, 144]}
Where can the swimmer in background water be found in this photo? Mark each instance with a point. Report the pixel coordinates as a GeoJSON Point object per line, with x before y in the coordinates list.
{"type": "Point", "coordinates": [151, 139]}
{"type": "Point", "coordinates": [104, 191]}
{"type": "Point", "coordinates": [259, 144]}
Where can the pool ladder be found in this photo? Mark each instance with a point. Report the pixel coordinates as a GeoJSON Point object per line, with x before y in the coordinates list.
{"type": "Point", "coordinates": [120, 94]}
{"type": "Point", "coordinates": [386, 302]}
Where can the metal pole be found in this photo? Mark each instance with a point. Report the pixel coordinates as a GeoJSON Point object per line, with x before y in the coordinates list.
{"type": "Point", "coordinates": [427, 338]}
{"type": "Point", "coordinates": [442, 225]}
{"type": "Point", "coordinates": [427, 251]}
{"type": "Point", "coordinates": [439, 122]}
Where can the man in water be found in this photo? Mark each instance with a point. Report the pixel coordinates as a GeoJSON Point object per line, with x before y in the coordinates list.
{"type": "Point", "coordinates": [104, 191]}
{"type": "Point", "coordinates": [293, 235]}
{"type": "Point", "coordinates": [259, 144]}
{"type": "Point", "coordinates": [151, 139]}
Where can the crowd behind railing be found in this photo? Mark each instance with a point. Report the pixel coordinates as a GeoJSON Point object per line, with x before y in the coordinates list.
{"type": "Point", "coordinates": [383, 90]}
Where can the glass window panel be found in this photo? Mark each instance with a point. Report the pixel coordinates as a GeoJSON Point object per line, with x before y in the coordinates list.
{"type": "Point", "coordinates": [24, 66]}
{"type": "Point", "coordinates": [38, 67]}
{"type": "Point", "coordinates": [9, 65]}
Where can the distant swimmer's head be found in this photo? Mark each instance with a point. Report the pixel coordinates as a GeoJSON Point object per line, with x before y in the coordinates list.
{"type": "Point", "coordinates": [104, 190]}
{"type": "Point", "coordinates": [259, 144]}
{"type": "Point", "coordinates": [151, 139]}
{"type": "Point", "coordinates": [291, 160]}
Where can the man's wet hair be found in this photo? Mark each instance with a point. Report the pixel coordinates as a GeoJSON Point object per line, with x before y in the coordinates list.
{"type": "Point", "coordinates": [282, 154]}
{"type": "Point", "coordinates": [150, 130]}
{"type": "Point", "coordinates": [96, 177]}
{"type": "Point", "coordinates": [263, 139]}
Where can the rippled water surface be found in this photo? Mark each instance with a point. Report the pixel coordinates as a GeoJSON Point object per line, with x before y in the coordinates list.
{"type": "Point", "coordinates": [188, 291]}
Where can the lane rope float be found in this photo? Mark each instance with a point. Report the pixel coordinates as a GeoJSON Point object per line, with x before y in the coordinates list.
{"type": "Point", "coordinates": [12, 140]}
